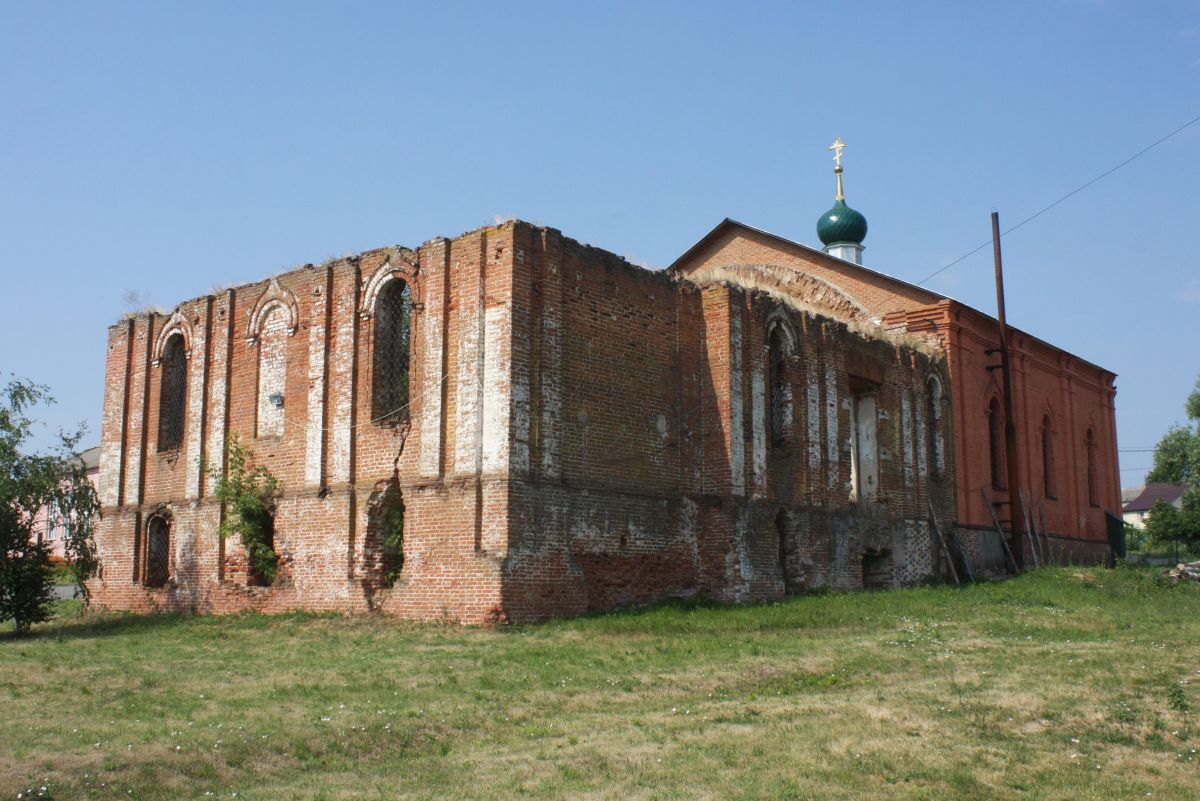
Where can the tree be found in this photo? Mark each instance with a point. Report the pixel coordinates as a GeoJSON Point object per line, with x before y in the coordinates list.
{"type": "Point", "coordinates": [1177, 454]}
{"type": "Point", "coordinates": [1177, 461]}
{"type": "Point", "coordinates": [29, 482]}
{"type": "Point", "coordinates": [1165, 524]}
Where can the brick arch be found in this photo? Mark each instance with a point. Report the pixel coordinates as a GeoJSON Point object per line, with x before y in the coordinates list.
{"type": "Point", "coordinates": [798, 289]}
{"type": "Point", "coordinates": [393, 268]}
{"type": "Point", "coordinates": [274, 296]}
{"type": "Point", "coordinates": [935, 375]}
{"type": "Point", "coordinates": [778, 318]}
{"type": "Point", "coordinates": [177, 324]}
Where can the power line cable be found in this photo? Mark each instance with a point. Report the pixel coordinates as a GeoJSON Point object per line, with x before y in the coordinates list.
{"type": "Point", "coordinates": [1070, 194]}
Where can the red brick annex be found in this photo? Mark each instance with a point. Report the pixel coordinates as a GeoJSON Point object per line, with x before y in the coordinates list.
{"type": "Point", "coordinates": [563, 432]}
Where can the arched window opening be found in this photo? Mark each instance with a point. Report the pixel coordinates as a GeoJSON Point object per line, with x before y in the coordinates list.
{"type": "Point", "coordinates": [172, 397]}
{"type": "Point", "coordinates": [272, 372]}
{"type": "Point", "coordinates": [393, 315]}
{"type": "Point", "coordinates": [1049, 483]}
{"type": "Point", "coordinates": [158, 552]}
{"type": "Point", "coordinates": [996, 444]}
{"type": "Point", "coordinates": [933, 426]}
{"type": "Point", "coordinates": [779, 392]}
{"type": "Point", "coordinates": [1092, 488]}
{"type": "Point", "coordinates": [864, 440]}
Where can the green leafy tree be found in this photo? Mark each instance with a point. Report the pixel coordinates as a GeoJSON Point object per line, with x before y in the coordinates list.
{"type": "Point", "coordinates": [1177, 454]}
{"type": "Point", "coordinates": [248, 493]}
{"type": "Point", "coordinates": [29, 482]}
{"type": "Point", "coordinates": [1166, 525]}
{"type": "Point", "coordinates": [1177, 461]}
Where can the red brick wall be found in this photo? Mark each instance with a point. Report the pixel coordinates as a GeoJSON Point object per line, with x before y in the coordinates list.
{"type": "Point", "coordinates": [653, 476]}
{"type": "Point", "coordinates": [1046, 380]}
{"type": "Point", "coordinates": [1076, 394]}
{"type": "Point", "coordinates": [581, 434]}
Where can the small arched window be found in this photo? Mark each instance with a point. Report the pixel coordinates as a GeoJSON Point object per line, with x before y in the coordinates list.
{"type": "Point", "coordinates": [172, 397]}
{"type": "Point", "coordinates": [996, 444]}
{"type": "Point", "coordinates": [392, 318]}
{"type": "Point", "coordinates": [158, 552]}
{"type": "Point", "coordinates": [1049, 484]}
{"type": "Point", "coordinates": [933, 425]}
{"type": "Point", "coordinates": [1092, 479]}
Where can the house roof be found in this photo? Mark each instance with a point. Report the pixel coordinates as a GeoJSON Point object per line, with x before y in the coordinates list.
{"type": "Point", "coordinates": [1152, 494]}
{"type": "Point", "coordinates": [90, 458]}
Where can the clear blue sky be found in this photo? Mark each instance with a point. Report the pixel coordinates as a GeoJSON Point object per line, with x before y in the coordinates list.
{"type": "Point", "coordinates": [168, 149]}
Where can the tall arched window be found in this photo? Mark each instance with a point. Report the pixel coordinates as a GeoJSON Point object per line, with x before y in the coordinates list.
{"type": "Point", "coordinates": [1092, 488]}
{"type": "Point", "coordinates": [1049, 484]}
{"type": "Point", "coordinates": [996, 444]}
{"type": "Point", "coordinates": [933, 425]}
{"type": "Point", "coordinates": [158, 552]}
{"type": "Point", "coordinates": [172, 396]}
{"type": "Point", "coordinates": [393, 314]}
{"type": "Point", "coordinates": [779, 400]}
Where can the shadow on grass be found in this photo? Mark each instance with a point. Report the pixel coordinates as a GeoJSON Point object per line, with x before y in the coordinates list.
{"type": "Point", "coordinates": [816, 609]}
{"type": "Point", "coordinates": [95, 624]}
{"type": "Point", "coordinates": [73, 623]}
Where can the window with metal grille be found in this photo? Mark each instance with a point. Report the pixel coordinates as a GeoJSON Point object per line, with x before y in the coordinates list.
{"type": "Point", "coordinates": [172, 399]}
{"type": "Point", "coordinates": [158, 552]}
{"type": "Point", "coordinates": [777, 353]}
{"type": "Point", "coordinates": [393, 314]}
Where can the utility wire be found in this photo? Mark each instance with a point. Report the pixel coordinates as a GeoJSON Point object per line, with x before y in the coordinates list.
{"type": "Point", "coordinates": [1070, 194]}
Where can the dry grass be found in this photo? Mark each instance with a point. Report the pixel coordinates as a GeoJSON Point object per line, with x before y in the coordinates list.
{"type": "Point", "coordinates": [1066, 684]}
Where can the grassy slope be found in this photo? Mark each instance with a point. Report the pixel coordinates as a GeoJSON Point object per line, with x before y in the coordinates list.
{"type": "Point", "coordinates": [1065, 684]}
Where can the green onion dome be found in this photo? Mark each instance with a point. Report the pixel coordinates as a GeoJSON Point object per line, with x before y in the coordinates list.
{"type": "Point", "coordinates": [842, 225]}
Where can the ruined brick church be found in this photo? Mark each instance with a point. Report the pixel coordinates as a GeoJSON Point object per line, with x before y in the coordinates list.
{"type": "Point", "coordinates": [510, 425]}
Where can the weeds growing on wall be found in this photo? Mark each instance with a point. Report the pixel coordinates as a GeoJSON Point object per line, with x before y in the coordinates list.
{"type": "Point", "coordinates": [248, 493]}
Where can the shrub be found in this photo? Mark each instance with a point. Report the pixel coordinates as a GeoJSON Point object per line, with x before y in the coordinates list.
{"type": "Point", "coordinates": [248, 494]}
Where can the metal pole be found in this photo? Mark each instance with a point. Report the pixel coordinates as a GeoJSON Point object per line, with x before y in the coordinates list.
{"type": "Point", "coordinates": [1016, 523]}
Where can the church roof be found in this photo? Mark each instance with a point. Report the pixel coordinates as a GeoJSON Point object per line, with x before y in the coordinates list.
{"type": "Point", "coordinates": [905, 287]}
{"type": "Point", "coordinates": [729, 224]}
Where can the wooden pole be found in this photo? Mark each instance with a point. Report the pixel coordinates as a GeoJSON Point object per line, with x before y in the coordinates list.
{"type": "Point", "coordinates": [1016, 523]}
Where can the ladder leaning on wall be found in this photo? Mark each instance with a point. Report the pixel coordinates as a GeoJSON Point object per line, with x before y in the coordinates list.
{"type": "Point", "coordinates": [952, 547]}
{"type": "Point", "coordinates": [991, 505]}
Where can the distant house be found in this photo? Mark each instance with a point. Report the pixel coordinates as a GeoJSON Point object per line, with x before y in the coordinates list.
{"type": "Point", "coordinates": [48, 523]}
{"type": "Point", "coordinates": [1138, 509]}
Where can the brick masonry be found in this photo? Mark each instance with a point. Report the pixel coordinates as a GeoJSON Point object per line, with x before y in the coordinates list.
{"type": "Point", "coordinates": [581, 434]}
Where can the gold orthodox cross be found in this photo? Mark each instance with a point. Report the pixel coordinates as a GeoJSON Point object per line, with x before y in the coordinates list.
{"type": "Point", "coordinates": [837, 147]}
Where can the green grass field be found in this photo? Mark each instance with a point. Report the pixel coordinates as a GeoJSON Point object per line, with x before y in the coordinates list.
{"type": "Point", "coordinates": [1063, 684]}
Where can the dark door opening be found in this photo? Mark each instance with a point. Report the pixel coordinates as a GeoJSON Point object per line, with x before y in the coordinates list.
{"type": "Point", "coordinates": [877, 570]}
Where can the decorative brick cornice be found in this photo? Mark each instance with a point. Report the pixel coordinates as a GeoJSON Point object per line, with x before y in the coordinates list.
{"type": "Point", "coordinates": [177, 324]}
{"type": "Point", "coordinates": [276, 295]}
